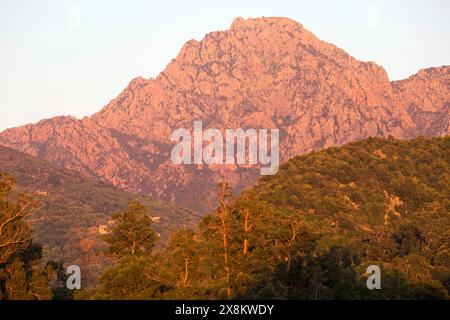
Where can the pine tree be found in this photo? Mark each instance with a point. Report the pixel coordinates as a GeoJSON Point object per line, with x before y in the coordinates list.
{"type": "Point", "coordinates": [132, 233]}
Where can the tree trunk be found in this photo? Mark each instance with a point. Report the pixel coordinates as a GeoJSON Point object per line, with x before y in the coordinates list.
{"type": "Point", "coordinates": [186, 272]}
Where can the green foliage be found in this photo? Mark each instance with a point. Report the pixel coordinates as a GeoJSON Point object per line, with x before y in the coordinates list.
{"type": "Point", "coordinates": [130, 279]}
{"type": "Point", "coordinates": [132, 233]}
{"type": "Point", "coordinates": [310, 232]}
{"type": "Point", "coordinates": [21, 275]}
{"type": "Point", "coordinates": [131, 242]}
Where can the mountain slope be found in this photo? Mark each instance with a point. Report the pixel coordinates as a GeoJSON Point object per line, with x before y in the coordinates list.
{"type": "Point", "coordinates": [366, 185]}
{"type": "Point", "coordinates": [385, 201]}
{"type": "Point", "coordinates": [315, 230]}
{"type": "Point", "coordinates": [261, 73]}
{"type": "Point", "coordinates": [73, 207]}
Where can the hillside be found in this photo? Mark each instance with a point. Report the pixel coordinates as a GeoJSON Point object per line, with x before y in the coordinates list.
{"type": "Point", "coordinates": [311, 232]}
{"type": "Point", "coordinates": [73, 207]}
{"type": "Point", "coordinates": [387, 201]}
{"type": "Point", "coordinates": [260, 73]}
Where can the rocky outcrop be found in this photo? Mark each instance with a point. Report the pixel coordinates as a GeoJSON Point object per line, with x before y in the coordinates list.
{"type": "Point", "coordinates": [425, 97]}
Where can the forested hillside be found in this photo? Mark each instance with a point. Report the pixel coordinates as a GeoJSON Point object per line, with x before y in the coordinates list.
{"type": "Point", "coordinates": [310, 232]}
{"type": "Point", "coordinates": [73, 209]}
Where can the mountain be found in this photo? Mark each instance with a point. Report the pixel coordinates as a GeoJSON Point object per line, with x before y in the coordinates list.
{"type": "Point", "coordinates": [74, 210]}
{"type": "Point", "coordinates": [261, 73]}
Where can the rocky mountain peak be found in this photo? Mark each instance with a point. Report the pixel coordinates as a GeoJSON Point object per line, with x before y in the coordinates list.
{"type": "Point", "coordinates": [261, 73]}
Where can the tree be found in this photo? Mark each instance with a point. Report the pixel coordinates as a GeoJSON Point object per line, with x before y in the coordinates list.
{"type": "Point", "coordinates": [223, 211]}
{"type": "Point", "coordinates": [21, 276]}
{"type": "Point", "coordinates": [132, 278]}
{"type": "Point", "coordinates": [132, 233]}
{"type": "Point", "coordinates": [58, 283]}
{"type": "Point", "coordinates": [15, 234]}
{"type": "Point", "coordinates": [131, 241]}
{"type": "Point", "coordinates": [310, 232]}
{"type": "Point", "coordinates": [16, 284]}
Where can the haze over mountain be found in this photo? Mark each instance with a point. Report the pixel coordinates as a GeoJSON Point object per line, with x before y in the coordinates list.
{"type": "Point", "coordinates": [261, 73]}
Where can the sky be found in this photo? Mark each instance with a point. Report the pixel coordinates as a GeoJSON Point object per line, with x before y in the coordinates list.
{"type": "Point", "coordinates": [71, 57]}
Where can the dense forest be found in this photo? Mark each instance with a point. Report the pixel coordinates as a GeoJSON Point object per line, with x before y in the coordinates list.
{"type": "Point", "coordinates": [309, 232]}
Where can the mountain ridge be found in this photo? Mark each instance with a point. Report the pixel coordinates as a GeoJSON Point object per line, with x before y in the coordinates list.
{"type": "Point", "coordinates": [260, 73]}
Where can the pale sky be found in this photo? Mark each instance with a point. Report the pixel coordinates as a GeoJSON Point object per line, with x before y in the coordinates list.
{"type": "Point", "coordinates": [71, 57]}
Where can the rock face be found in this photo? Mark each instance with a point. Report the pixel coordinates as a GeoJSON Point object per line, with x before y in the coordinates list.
{"type": "Point", "coordinates": [261, 73]}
